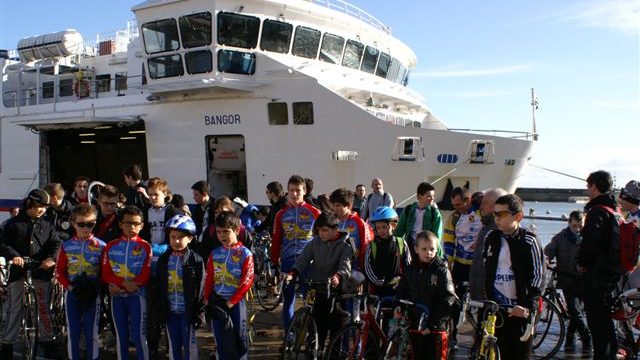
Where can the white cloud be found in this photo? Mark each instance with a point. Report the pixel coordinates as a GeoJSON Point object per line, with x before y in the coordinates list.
{"type": "Point", "coordinates": [451, 73]}
{"type": "Point", "coordinates": [617, 105]}
{"type": "Point", "coordinates": [620, 15]}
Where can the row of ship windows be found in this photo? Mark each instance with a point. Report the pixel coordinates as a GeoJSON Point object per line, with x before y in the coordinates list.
{"type": "Point", "coordinates": [242, 31]}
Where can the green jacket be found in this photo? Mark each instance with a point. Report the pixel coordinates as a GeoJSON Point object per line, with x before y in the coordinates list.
{"type": "Point", "coordinates": [431, 220]}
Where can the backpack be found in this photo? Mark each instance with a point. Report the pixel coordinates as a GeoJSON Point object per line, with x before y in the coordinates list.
{"type": "Point", "coordinates": [624, 254]}
{"type": "Point", "coordinates": [399, 243]}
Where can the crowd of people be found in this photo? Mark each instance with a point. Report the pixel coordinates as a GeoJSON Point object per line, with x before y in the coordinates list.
{"type": "Point", "coordinates": [162, 265]}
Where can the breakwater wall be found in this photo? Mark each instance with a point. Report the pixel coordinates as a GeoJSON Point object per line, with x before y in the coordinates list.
{"type": "Point", "coordinates": [552, 194]}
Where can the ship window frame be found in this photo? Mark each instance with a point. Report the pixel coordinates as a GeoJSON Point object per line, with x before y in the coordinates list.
{"type": "Point", "coordinates": [65, 87]}
{"type": "Point", "coordinates": [302, 113]}
{"type": "Point", "coordinates": [158, 48]}
{"type": "Point", "coordinates": [48, 89]}
{"type": "Point", "coordinates": [206, 61]}
{"type": "Point", "coordinates": [395, 67]}
{"type": "Point", "coordinates": [334, 51]}
{"type": "Point", "coordinates": [278, 113]}
{"type": "Point", "coordinates": [103, 83]}
{"type": "Point", "coordinates": [348, 59]}
{"type": "Point", "coordinates": [379, 71]}
{"type": "Point", "coordinates": [197, 28]}
{"type": "Point", "coordinates": [373, 67]}
{"type": "Point", "coordinates": [275, 39]}
{"type": "Point", "coordinates": [121, 81]}
{"type": "Point", "coordinates": [179, 65]}
{"type": "Point", "coordinates": [296, 46]}
{"type": "Point", "coordinates": [250, 29]}
{"type": "Point", "coordinates": [252, 66]}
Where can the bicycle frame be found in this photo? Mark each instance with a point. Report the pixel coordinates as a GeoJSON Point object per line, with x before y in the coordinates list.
{"type": "Point", "coordinates": [628, 342]}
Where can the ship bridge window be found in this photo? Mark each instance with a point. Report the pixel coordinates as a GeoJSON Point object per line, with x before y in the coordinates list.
{"type": "Point", "coordinates": [383, 65]}
{"type": "Point", "coordinates": [393, 70]}
{"type": "Point", "coordinates": [198, 62]}
{"type": "Point", "coordinates": [195, 30]}
{"type": "Point", "coordinates": [238, 30]}
{"type": "Point", "coordinates": [276, 36]}
{"type": "Point", "coordinates": [352, 54]}
{"type": "Point", "coordinates": [370, 60]}
{"type": "Point", "coordinates": [303, 113]}
{"type": "Point", "coordinates": [165, 66]}
{"type": "Point", "coordinates": [306, 42]}
{"type": "Point", "coordinates": [331, 49]}
{"type": "Point", "coordinates": [160, 36]}
{"type": "Point", "coordinates": [278, 113]}
{"type": "Point", "coordinates": [236, 62]}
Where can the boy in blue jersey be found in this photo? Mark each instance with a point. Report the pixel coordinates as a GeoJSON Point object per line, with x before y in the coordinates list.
{"type": "Point", "coordinates": [349, 221]}
{"type": "Point", "coordinates": [180, 275]}
{"type": "Point", "coordinates": [126, 267]}
{"type": "Point", "coordinates": [229, 276]}
{"type": "Point", "coordinates": [78, 271]}
{"type": "Point", "coordinates": [292, 231]}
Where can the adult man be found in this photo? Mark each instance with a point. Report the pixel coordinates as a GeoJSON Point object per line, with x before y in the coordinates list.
{"type": "Point", "coordinates": [203, 201]}
{"type": "Point", "coordinates": [477, 273]}
{"type": "Point", "coordinates": [360, 201]}
{"type": "Point", "coordinates": [80, 191]}
{"type": "Point", "coordinates": [378, 197]}
{"type": "Point", "coordinates": [137, 192]}
{"type": "Point", "coordinates": [594, 258]}
{"type": "Point", "coordinates": [630, 201]}
{"type": "Point", "coordinates": [59, 211]}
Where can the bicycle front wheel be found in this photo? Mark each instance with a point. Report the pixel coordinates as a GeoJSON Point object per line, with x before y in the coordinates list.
{"type": "Point", "coordinates": [268, 288]}
{"type": "Point", "coordinates": [353, 342]}
{"type": "Point", "coordinates": [399, 347]}
{"type": "Point", "coordinates": [549, 332]}
{"type": "Point", "coordinates": [30, 322]}
{"type": "Point", "coordinates": [493, 352]}
{"type": "Point", "coordinates": [301, 338]}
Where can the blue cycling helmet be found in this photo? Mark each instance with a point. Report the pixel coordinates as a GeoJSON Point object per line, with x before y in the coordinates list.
{"type": "Point", "coordinates": [384, 213]}
{"type": "Point", "coordinates": [183, 223]}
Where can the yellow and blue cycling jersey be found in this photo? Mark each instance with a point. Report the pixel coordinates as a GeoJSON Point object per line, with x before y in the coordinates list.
{"type": "Point", "coordinates": [459, 239]}
{"type": "Point", "coordinates": [127, 260]}
{"type": "Point", "coordinates": [79, 256]}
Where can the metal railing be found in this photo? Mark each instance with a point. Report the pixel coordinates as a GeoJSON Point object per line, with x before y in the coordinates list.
{"type": "Point", "coordinates": [354, 11]}
{"type": "Point", "coordinates": [515, 134]}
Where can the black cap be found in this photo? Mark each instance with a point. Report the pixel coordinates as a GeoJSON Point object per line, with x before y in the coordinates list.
{"type": "Point", "coordinates": [39, 196]}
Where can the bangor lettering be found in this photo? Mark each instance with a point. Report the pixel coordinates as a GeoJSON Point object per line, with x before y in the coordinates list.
{"type": "Point", "coordinates": [227, 119]}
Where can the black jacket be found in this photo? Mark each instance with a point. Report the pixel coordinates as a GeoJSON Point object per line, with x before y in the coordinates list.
{"type": "Point", "coordinates": [192, 281]}
{"type": "Point", "coordinates": [37, 239]}
{"type": "Point", "coordinates": [199, 212]}
{"type": "Point", "coordinates": [170, 211]}
{"type": "Point", "coordinates": [564, 247]}
{"type": "Point", "coordinates": [596, 240]}
{"type": "Point", "coordinates": [135, 198]}
{"type": "Point", "coordinates": [267, 225]}
{"type": "Point", "coordinates": [431, 285]}
{"type": "Point", "coordinates": [112, 230]}
{"type": "Point", "coordinates": [60, 217]}
{"type": "Point", "coordinates": [527, 262]}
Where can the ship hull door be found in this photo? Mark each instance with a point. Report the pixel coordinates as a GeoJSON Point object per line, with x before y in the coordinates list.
{"type": "Point", "coordinates": [227, 165]}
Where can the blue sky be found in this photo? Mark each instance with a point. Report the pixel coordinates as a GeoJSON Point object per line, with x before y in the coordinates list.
{"type": "Point", "coordinates": [477, 61]}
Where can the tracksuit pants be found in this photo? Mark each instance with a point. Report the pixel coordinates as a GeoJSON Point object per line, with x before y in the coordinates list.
{"type": "Point", "coordinates": [130, 316]}
{"type": "Point", "coordinates": [182, 338]}
{"type": "Point", "coordinates": [82, 321]}
{"type": "Point", "coordinates": [12, 311]}
{"type": "Point", "coordinates": [226, 333]}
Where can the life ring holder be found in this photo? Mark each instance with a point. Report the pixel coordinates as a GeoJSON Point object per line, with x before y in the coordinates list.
{"type": "Point", "coordinates": [81, 86]}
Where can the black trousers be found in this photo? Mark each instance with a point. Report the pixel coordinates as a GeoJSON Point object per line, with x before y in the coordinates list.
{"type": "Point", "coordinates": [596, 300]}
{"type": "Point", "coordinates": [576, 314]}
{"type": "Point", "coordinates": [509, 337]}
{"type": "Point", "coordinates": [460, 275]}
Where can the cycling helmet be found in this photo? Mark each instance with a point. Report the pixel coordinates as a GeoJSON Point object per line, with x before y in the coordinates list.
{"type": "Point", "coordinates": [183, 223]}
{"type": "Point", "coordinates": [352, 283]}
{"type": "Point", "coordinates": [39, 196]}
{"type": "Point", "coordinates": [384, 213]}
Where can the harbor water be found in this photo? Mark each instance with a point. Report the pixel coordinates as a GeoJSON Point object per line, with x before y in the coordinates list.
{"type": "Point", "coordinates": [546, 229]}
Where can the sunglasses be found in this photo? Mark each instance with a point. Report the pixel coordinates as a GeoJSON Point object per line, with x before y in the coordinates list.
{"type": "Point", "coordinates": [86, 225]}
{"type": "Point", "coordinates": [501, 214]}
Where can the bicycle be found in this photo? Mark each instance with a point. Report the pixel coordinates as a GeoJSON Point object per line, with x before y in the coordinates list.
{"type": "Point", "coordinates": [57, 310]}
{"type": "Point", "coordinates": [485, 345]}
{"type": "Point", "coordinates": [399, 345]}
{"type": "Point", "coordinates": [267, 284]}
{"type": "Point", "coordinates": [551, 319]}
{"type": "Point", "coordinates": [301, 337]}
{"type": "Point", "coordinates": [625, 312]}
{"type": "Point", "coordinates": [30, 315]}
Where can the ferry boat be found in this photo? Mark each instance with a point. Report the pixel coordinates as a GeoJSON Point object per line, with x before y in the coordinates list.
{"type": "Point", "coordinates": [240, 93]}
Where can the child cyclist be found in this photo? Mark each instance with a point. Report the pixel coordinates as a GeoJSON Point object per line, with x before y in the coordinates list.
{"type": "Point", "coordinates": [428, 281]}
{"type": "Point", "coordinates": [180, 288]}
{"type": "Point", "coordinates": [292, 231]}
{"type": "Point", "coordinates": [386, 256]}
{"type": "Point", "coordinates": [78, 271]}
{"type": "Point", "coordinates": [330, 251]}
{"type": "Point", "coordinates": [515, 265]}
{"type": "Point", "coordinates": [349, 221]}
{"type": "Point", "coordinates": [126, 267]}
{"type": "Point", "coordinates": [228, 277]}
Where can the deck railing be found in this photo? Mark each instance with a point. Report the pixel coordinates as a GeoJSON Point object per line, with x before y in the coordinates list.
{"type": "Point", "coordinates": [502, 133]}
{"type": "Point", "coordinates": [354, 11]}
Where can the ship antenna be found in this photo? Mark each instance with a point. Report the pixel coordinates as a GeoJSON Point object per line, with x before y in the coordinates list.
{"type": "Point", "coordinates": [534, 107]}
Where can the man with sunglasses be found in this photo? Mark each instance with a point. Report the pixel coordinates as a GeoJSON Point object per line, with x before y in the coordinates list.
{"type": "Point", "coordinates": [29, 235]}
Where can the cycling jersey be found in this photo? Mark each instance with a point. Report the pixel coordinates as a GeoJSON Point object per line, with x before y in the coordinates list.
{"type": "Point", "coordinates": [127, 259]}
{"type": "Point", "coordinates": [362, 235]}
{"type": "Point", "coordinates": [174, 281]}
{"type": "Point", "coordinates": [79, 256]}
{"type": "Point", "coordinates": [229, 273]}
{"type": "Point", "coordinates": [292, 230]}
{"type": "Point", "coordinates": [460, 238]}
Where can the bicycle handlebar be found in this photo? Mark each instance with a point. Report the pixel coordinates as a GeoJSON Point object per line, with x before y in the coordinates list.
{"type": "Point", "coordinates": [493, 308]}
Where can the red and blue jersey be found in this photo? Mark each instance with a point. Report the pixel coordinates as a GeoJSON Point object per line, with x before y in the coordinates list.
{"type": "Point", "coordinates": [79, 256]}
{"type": "Point", "coordinates": [127, 260]}
{"type": "Point", "coordinates": [361, 233]}
{"type": "Point", "coordinates": [229, 272]}
{"type": "Point", "coordinates": [175, 288]}
{"type": "Point", "coordinates": [292, 231]}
